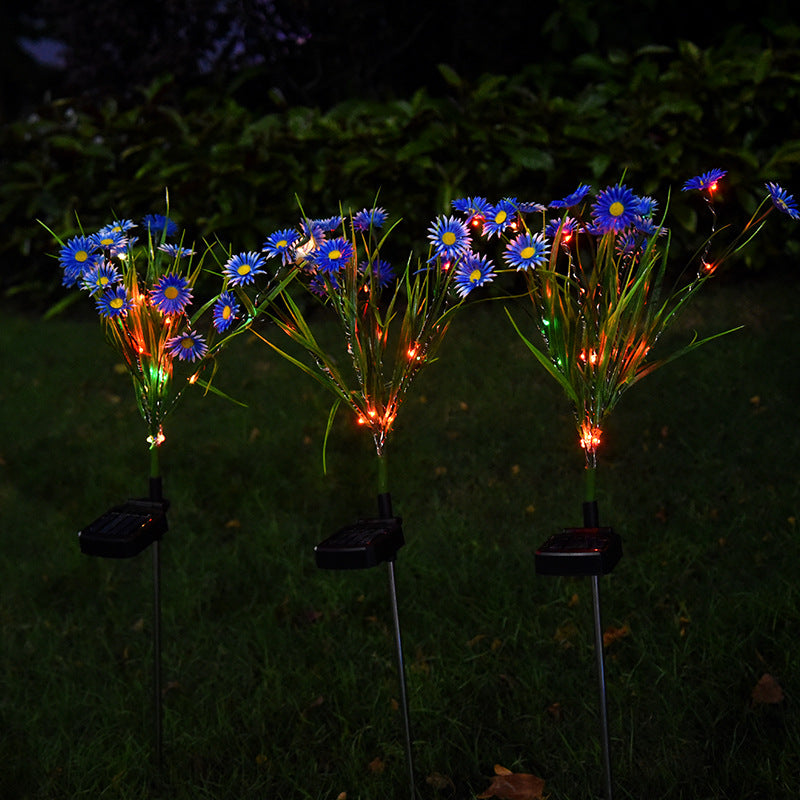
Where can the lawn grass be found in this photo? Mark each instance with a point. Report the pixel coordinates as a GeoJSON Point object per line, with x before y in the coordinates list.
{"type": "Point", "coordinates": [280, 679]}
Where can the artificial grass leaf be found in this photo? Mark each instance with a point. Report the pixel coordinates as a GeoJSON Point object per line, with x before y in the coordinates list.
{"type": "Point", "coordinates": [509, 785]}
{"type": "Point", "coordinates": [767, 691]}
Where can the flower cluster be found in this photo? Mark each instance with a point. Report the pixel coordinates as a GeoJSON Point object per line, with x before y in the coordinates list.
{"type": "Point", "coordinates": [143, 286]}
{"type": "Point", "coordinates": [594, 266]}
{"type": "Point", "coordinates": [339, 261]}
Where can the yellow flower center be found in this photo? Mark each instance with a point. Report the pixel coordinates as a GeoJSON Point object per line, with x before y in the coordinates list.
{"type": "Point", "coordinates": [81, 255]}
{"type": "Point", "coordinates": [116, 302]}
{"type": "Point", "coordinates": [616, 209]}
{"type": "Point", "coordinates": [527, 252]}
{"type": "Point", "coordinates": [106, 242]}
{"type": "Point", "coordinates": [226, 312]}
{"type": "Point", "coordinates": [187, 343]}
{"type": "Point", "coordinates": [171, 292]}
{"type": "Point", "coordinates": [282, 243]}
{"type": "Point", "coordinates": [334, 254]}
{"type": "Point", "coordinates": [243, 269]}
{"type": "Point", "coordinates": [448, 238]}
{"type": "Point", "coordinates": [500, 217]}
{"type": "Point", "coordinates": [474, 276]}
{"type": "Point", "coordinates": [103, 280]}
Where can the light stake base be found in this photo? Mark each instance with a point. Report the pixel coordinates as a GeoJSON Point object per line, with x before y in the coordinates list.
{"type": "Point", "coordinates": [364, 544]}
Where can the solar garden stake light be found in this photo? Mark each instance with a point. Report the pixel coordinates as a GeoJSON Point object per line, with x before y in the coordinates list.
{"type": "Point", "coordinates": [392, 326]}
{"type": "Point", "coordinates": [142, 285]}
{"type": "Point", "coordinates": [596, 278]}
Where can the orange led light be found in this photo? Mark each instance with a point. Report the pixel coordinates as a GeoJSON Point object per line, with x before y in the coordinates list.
{"type": "Point", "coordinates": [155, 441]}
{"type": "Point", "coordinates": [590, 437]}
{"type": "Point", "coordinates": [592, 358]}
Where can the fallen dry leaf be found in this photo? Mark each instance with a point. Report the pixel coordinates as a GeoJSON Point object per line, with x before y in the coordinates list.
{"type": "Point", "coordinates": [612, 634]}
{"type": "Point", "coordinates": [565, 633]}
{"type": "Point", "coordinates": [767, 690]}
{"type": "Point", "coordinates": [377, 765]}
{"type": "Point", "coordinates": [555, 711]}
{"type": "Point", "coordinates": [318, 701]}
{"type": "Point", "coordinates": [439, 781]}
{"type": "Point", "coordinates": [508, 785]}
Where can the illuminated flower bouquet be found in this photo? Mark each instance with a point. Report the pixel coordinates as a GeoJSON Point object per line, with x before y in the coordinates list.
{"type": "Point", "coordinates": [142, 282]}
{"type": "Point", "coordinates": [596, 272]}
{"type": "Point", "coordinates": [392, 325]}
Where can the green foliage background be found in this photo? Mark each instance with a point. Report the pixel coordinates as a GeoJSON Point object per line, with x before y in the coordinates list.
{"type": "Point", "coordinates": [659, 114]}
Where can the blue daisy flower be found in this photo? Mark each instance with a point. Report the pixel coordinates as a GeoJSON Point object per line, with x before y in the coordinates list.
{"type": "Point", "coordinates": [242, 268]}
{"type": "Point", "coordinates": [175, 250]}
{"type": "Point", "coordinates": [118, 226]}
{"type": "Point", "coordinates": [568, 227]}
{"type": "Point", "coordinates": [527, 251]}
{"type": "Point", "coordinates": [313, 230]}
{"type": "Point", "coordinates": [628, 244]}
{"type": "Point", "coordinates": [499, 217]}
{"type": "Point", "coordinates": [526, 207]}
{"type": "Point", "coordinates": [647, 226]}
{"type": "Point", "coordinates": [186, 346]}
{"type": "Point", "coordinates": [159, 225]}
{"type": "Point", "coordinates": [647, 206]}
{"type": "Point", "coordinates": [369, 218]}
{"type": "Point", "coordinates": [332, 255]}
{"type": "Point", "coordinates": [319, 285]}
{"type": "Point", "coordinates": [382, 272]}
{"type": "Point", "coordinates": [226, 310]}
{"type": "Point", "coordinates": [99, 278]}
{"type": "Point", "coordinates": [782, 200]}
{"type": "Point", "coordinates": [113, 242]}
{"type": "Point", "coordinates": [475, 208]}
{"type": "Point", "coordinates": [592, 229]}
{"type": "Point", "coordinates": [572, 199]}
{"type": "Point", "coordinates": [280, 244]}
{"type": "Point", "coordinates": [708, 180]}
{"type": "Point", "coordinates": [314, 238]}
{"type": "Point", "coordinates": [114, 302]}
{"type": "Point", "coordinates": [76, 256]}
{"type": "Point", "coordinates": [449, 237]}
{"type": "Point", "coordinates": [171, 294]}
{"type": "Point", "coordinates": [614, 209]}
{"type": "Point", "coordinates": [329, 224]}
{"type": "Point", "coordinates": [472, 272]}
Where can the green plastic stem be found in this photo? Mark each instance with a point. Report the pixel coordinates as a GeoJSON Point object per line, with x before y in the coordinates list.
{"type": "Point", "coordinates": [590, 484]}
{"type": "Point", "coordinates": [383, 474]}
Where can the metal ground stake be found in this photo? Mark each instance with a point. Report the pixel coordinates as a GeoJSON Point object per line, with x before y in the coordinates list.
{"type": "Point", "coordinates": [592, 551]}
{"type": "Point", "coordinates": [364, 544]}
{"type": "Point", "coordinates": [123, 532]}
